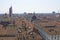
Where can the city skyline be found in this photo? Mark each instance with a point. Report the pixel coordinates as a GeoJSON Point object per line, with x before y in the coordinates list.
{"type": "Point", "coordinates": [31, 6]}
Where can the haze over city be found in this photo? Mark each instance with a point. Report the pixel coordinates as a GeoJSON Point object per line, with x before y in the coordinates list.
{"type": "Point", "coordinates": [38, 6]}
{"type": "Point", "coordinates": [29, 20]}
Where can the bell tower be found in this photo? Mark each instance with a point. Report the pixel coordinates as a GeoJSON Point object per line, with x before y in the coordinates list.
{"type": "Point", "coordinates": [10, 11]}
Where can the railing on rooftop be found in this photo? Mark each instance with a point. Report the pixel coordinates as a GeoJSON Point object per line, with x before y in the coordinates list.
{"type": "Point", "coordinates": [6, 35]}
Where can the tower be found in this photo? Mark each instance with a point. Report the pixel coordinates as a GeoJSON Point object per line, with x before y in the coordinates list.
{"type": "Point", "coordinates": [10, 11]}
{"type": "Point", "coordinates": [33, 17]}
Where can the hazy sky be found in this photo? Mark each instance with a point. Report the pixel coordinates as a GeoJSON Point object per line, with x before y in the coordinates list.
{"type": "Point", "coordinates": [20, 6]}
